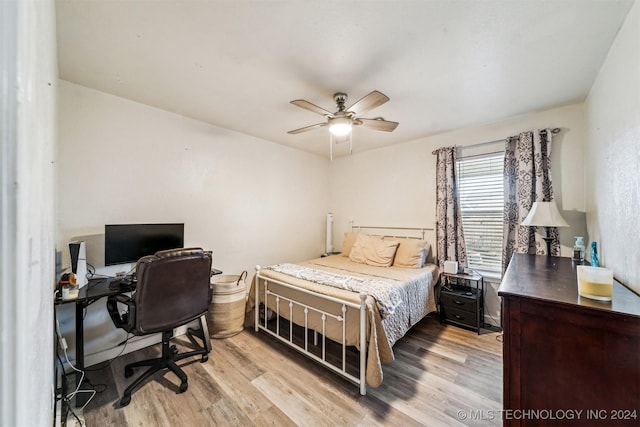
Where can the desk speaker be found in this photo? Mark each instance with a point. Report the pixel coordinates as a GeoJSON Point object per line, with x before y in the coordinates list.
{"type": "Point", "coordinates": [78, 252]}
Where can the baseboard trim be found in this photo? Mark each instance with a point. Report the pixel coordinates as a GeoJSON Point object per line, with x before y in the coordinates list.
{"type": "Point", "coordinates": [133, 344]}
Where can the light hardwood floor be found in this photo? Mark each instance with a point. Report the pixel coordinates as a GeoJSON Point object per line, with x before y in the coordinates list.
{"type": "Point", "coordinates": [442, 376]}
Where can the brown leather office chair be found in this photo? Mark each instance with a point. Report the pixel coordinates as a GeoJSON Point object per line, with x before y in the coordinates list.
{"type": "Point", "coordinates": [172, 290]}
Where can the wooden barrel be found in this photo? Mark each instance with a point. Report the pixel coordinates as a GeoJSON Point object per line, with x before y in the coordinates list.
{"type": "Point", "coordinates": [226, 312]}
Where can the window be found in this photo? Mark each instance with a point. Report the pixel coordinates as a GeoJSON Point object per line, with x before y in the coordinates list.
{"type": "Point", "coordinates": [481, 190]}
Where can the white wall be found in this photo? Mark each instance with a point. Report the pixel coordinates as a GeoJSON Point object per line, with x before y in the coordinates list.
{"type": "Point", "coordinates": [613, 155]}
{"type": "Point", "coordinates": [250, 201]}
{"type": "Point", "coordinates": [27, 124]}
{"type": "Point", "coordinates": [396, 185]}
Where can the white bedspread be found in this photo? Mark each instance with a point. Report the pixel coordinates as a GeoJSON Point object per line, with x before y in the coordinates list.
{"type": "Point", "coordinates": [387, 292]}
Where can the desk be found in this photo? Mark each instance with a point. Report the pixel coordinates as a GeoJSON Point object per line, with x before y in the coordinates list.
{"type": "Point", "coordinates": [96, 289]}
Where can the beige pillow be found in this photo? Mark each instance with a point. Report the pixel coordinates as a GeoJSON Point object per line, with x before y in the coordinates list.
{"type": "Point", "coordinates": [411, 253]}
{"type": "Point", "coordinates": [347, 244]}
{"type": "Point", "coordinates": [372, 250]}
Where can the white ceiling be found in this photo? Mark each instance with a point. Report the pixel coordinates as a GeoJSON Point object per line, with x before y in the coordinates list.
{"type": "Point", "coordinates": [445, 64]}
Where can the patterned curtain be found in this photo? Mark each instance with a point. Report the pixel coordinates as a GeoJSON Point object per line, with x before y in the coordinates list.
{"type": "Point", "coordinates": [449, 235]}
{"type": "Point", "coordinates": [527, 179]}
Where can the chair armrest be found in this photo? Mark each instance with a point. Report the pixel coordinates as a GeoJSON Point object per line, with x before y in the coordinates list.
{"type": "Point", "coordinates": [126, 320]}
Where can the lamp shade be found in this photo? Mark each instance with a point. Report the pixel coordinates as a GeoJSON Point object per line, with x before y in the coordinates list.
{"type": "Point", "coordinates": [544, 214]}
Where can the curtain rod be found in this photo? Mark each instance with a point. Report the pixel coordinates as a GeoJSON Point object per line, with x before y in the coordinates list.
{"type": "Point", "coordinates": [554, 130]}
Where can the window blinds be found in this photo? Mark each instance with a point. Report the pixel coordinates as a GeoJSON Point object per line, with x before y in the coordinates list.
{"type": "Point", "coordinates": [481, 190]}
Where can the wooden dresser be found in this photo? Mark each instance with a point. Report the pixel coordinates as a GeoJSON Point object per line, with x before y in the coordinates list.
{"type": "Point", "coordinates": [568, 360]}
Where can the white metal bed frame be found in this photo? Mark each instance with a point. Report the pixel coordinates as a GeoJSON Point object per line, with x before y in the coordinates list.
{"type": "Point", "coordinates": [362, 308]}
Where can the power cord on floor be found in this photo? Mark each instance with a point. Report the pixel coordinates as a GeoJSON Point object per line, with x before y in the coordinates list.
{"type": "Point", "coordinates": [62, 343]}
{"type": "Point", "coordinates": [78, 389]}
{"type": "Point", "coordinates": [486, 312]}
{"type": "Point", "coordinates": [96, 388]}
{"type": "Point", "coordinates": [496, 323]}
{"type": "Point", "coordinates": [64, 398]}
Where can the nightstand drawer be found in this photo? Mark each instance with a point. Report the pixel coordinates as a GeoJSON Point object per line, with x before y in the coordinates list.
{"type": "Point", "coordinates": [459, 301]}
{"type": "Point", "coordinates": [460, 316]}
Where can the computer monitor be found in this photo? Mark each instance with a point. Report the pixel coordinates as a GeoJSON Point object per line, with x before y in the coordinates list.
{"type": "Point", "coordinates": [127, 243]}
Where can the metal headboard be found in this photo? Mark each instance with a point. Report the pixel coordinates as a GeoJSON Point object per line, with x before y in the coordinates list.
{"type": "Point", "coordinates": [421, 230]}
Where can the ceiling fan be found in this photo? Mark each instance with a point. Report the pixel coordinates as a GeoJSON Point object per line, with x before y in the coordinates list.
{"type": "Point", "coordinates": [341, 122]}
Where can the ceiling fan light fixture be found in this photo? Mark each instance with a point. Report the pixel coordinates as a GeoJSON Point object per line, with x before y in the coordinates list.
{"type": "Point", "coordinates": [341, 121]}
{"type": "Point", "coordinates": [340, 126]}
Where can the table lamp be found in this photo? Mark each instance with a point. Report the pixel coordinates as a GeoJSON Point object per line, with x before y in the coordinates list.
{"type": "Point", "coordinates": [545, 214]}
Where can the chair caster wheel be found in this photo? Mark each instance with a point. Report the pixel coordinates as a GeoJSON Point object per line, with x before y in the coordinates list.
{"type": "Point", "coordinates": [174, 350]}
{"type": "Point", "coordinates": [125, 401]}
{"type": "Point", "coordinates": [128, 371]}
{"type": "Point", "coordinates": [183, 387]}
{"type": "Point", "coordinates": [205, 357]}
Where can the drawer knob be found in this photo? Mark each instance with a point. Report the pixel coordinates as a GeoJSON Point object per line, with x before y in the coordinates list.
{"type": "Point", "coordinates": [457, 316]}
{"type": "Point", "coordinates": [458, 302]}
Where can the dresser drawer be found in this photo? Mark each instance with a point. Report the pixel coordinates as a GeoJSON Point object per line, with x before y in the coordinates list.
{"type": "Point", "coordinates": [464, 317]}
{"type": "Point", "coordinates": [459, 301]}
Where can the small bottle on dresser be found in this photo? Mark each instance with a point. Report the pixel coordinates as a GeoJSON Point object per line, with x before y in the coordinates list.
{"type": "Point", "coordinates": [578, 249]}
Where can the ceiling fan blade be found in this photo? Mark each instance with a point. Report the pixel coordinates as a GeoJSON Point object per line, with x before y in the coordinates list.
{"type": "Point", "coordinates": [369, 102]}
{"type": "Point", "coordinates": [307, 128]}
{"type": "Point", "coordinates": [377, 124]}
{"type": "Point", "coordinates": [311, 107]}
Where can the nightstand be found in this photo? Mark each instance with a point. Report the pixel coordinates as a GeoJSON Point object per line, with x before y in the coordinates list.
{"type": "Point", "coordinates": [461, 300]}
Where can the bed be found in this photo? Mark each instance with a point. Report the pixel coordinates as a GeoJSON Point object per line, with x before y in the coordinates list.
{"type": "Point", "coordinates": [360, 302]}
